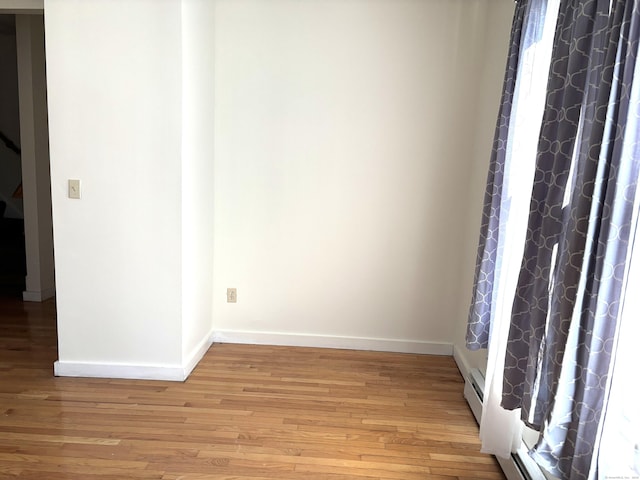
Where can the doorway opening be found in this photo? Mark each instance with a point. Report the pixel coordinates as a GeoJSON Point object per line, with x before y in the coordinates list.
{"type": "Point", "coordinates": [13, 264]}
{"type": "Point", "coordinates": [26, 233]}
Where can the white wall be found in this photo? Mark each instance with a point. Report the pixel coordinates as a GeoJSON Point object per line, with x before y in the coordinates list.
{"type": "Point", "coordinates": [344, 148]}
{"type": "Point", "coordinates": [497, 27]}
{"type": "Point", "coordinates": [131, 112]}
{"type": "Point", "coordinates": [197, 175]}
{"type": "Point", "coordinates": [115, 111]}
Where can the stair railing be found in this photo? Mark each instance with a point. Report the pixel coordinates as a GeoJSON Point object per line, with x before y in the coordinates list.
{"type": "Point", "coordinates": [9, 144]}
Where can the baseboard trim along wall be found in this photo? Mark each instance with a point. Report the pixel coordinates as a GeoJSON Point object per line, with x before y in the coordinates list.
{"type": "Point", "coordinates": [132, 372]}
{"type": "Point", "coordinates": [323, 341]}
{"type": "Point", "coordinates": [197, 354]}
{"type": "Point", "coordinates": [38, 296]}
{"type": "Point", "coordinates": [179, 374]}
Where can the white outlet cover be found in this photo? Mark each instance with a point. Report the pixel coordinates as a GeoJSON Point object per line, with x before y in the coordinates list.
{"type": "Point", "coordinates": [74, 189]}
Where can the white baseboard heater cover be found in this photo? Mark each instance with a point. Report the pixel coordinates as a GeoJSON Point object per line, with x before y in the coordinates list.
{"type": "Point", "coordinates": [519, 466]}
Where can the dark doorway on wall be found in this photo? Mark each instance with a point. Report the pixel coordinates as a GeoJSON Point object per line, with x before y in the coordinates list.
{"type": "Point", "coordinates": [13, 269]}
{"type": "Point", "coordinates": [25, 179]}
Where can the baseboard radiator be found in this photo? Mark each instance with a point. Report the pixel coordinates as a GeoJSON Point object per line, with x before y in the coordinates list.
{"type": "Point", "coordinates": [517, 467]}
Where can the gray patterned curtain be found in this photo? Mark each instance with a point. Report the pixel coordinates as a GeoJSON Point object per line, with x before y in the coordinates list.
{"type": "Point", "coordinates": [565, 313]}
{"type": "Point", "coordinates": [583, 210]}
{"type": "Point", "coordinates": [489, 255]}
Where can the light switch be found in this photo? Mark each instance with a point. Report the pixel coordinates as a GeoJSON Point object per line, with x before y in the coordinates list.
{"type": "Point", "coordinates": [232, 295]}
{"type": "Point", "coordinates": [74, 188]}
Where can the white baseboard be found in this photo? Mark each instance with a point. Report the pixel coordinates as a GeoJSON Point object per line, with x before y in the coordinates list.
{"type": "Point", "coordinates": [323, 341]}
{"type": "Point", "coordinates": [139, 372]}
{"type": "Point", "coordinates": [133, 372]}
{"type": "Point", "coordinates": [197, 355]}
{"type": "Point", "coordinates": [38, 295]}
{"type": "Point", "coordinates": [461, 362]}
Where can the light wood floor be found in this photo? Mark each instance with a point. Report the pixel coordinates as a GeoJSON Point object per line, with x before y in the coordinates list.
{"type": "Point", "coordinates": [246, 412]}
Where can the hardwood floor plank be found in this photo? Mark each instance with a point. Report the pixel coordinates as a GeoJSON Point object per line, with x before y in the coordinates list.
{"type": "Point", "coordinates": [247, 412]}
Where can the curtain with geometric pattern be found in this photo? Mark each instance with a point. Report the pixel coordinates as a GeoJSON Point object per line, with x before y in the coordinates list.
{"type": "Point", "coordinates": [583, 210]}
{"type": "Point", "coordinates": [565, 313]}
{"type": "Point", "coordinates": [506, 209]}
{"type": "Point", "coordinates": [489, 256]}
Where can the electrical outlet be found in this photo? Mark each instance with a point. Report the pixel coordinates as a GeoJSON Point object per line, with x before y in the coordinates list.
{"type": "Point", "coordinates": [74, 189]}
{"type": "Point", "coordinates": [232, 295]}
